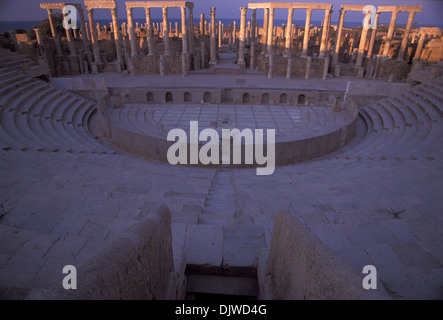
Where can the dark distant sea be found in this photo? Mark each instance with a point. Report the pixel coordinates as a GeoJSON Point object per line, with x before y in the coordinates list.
{"type": "Point", "coordinates": [8, 25]}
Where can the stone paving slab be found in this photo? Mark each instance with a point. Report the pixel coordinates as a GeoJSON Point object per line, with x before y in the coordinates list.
{"type": "Point", "coordinates": [64, 207]}
{"type": "Point", "coordinates": [242, 246]}
{"type": "Point", "coordinates": [204, 245]}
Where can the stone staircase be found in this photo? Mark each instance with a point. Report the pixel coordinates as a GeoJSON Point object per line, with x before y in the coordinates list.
{"type": "Point", "coordinates": [238, 244]}
{"type": "Point", "coordinates": [227, 64]}
{"type": "Point", "coordinates": [221, 203]}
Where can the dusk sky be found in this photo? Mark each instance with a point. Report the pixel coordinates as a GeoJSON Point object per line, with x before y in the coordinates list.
{"type": "Point", "coordinates": [431, 15]}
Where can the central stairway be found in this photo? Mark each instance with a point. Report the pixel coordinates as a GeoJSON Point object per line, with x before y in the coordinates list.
{"type": "Point", "coordinates": [227, 64]}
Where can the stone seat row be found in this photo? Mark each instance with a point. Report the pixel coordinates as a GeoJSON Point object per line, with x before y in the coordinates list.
{"type": "Point", "coordinates": [140, 118]}
{"type": "Point", "coordinates": [35, 115]}
{"type": "Point", "coordinates": [405, 126]}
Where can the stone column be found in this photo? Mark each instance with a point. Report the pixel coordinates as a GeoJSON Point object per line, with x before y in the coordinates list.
{"type": "Point", "coordinates": [325, 33]}
{"type": "Point", "coordinates": [265, 29]}
{"type": "Point", "coordinates": [405, 39]}
{"type": "Point", "coordinates": [131, 32]}
{"type": "Point", "coordinates": [185, 43]}
{"type": "Point", "coordinates": [419, 47]}
{"type": "Point", "coordinates": [58, 48]}
{"type": "Point", "coordinates": [248, 33]}
{"type": "Point", "coordinates": [202, 41]}
{"type": "Point", "coordinates": [93, 29]}
{"type": "Point", "coordinates": [306, 35]}
{"type": "Point", "coordinates": [242, 38]}
{"type": "Point", "coordinates": [289, 68]}
{"type": "Point", "coordinates": [213, 45]}
{"type": "Point", "coordinates": [363, 38]}
{"type": "Point", "coordinates": [51, 23]}
{"type": "Point", "coordinates": [234, 31]}
{"type": "Point", "coordinates": [377, 65]}
{"type": "Point", "coordinates": [270, 32]}
{"type": "Point", "coordinates": [83, 29]}
{"type": "Point", "coordinates": [390, 34]}
{"type": "Point", "coordinates": [271, 66]}
{"type": "Point", "coordinates": [326, 68]}
{"type": "Point", "coordinates": [124, 29]}
{"type": "Point", "coordinates": [166, 31]}
{"type": "Point", "coordinates": [253, 37]}
{"type": "Point", "coordinates": [150, 35]}
{"type": "Point", "coordinates": [71, 44]}
{"type": "Point", "coordinates": [202, 26]}
{"type": "Point", "coordinates": [220, 33]}
{"type": "Point", "coordinates": [88, 32]}
{"type": "Point", "coordinates": [373, 35]}
{"type": "Point", "coordinates": [289, 34]}
{"type": "Point", "coordinates": [177, 32]}
{"type": "Point", "coordinates": [38, 34]}
{"type": "Point", "coordinates": [191, 30]}
{"type": "Point", "coordinates": [338, 37]}
{"type": "Point", "coordinates": [308, 67]}
{"type": "Point", "coordinates": [117, 37]}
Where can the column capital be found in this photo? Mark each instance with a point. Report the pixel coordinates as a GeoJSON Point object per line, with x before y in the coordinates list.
{"type": "Point", "coordinates": [309, 10]}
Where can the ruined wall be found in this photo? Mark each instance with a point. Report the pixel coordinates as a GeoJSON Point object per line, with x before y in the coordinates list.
{"type": "Point", "coordinates": [433, 51]}
{"type": "Point", "coordinates": [302, 267]}
{"type": "Point", "coordinates": [298, 66]}
{"type": "Point", "coordinates": [392, 68]}
{"type": "Point", "coordinates": [137, 265]}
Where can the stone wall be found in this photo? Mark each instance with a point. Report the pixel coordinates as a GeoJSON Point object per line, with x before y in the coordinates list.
{"type": "Point", "coordinates": [302, 267]}
{"type": "Point", "coordinates": [137, 265]}
{"type": "Point", "coordinates": [298, 66]}
{"type": "Point", "coordinates": [153, 144]}
{"type": "Point", "coordinates": [433, 51]}
{"type": "Point", "coordinates": [143, 64]}
{"type": "Point", "coordinates": [248, 96]}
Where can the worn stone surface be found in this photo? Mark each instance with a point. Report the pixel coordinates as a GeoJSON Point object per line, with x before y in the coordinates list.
{"type": "Point", "coordinates": [67, 192]}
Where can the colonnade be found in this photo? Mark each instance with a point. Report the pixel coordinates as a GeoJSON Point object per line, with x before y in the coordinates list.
{"type": "Point", "coordinates": [245, 36]}
{"type": "Point", "coordinates": [363, 39]}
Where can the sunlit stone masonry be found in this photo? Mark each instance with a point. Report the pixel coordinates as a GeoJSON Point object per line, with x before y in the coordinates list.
{"type": "Point", "coordinates": [302, 155]}
{"type": "Point", "coordinates": [371, 51]}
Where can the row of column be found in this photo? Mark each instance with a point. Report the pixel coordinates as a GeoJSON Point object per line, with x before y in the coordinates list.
{"type": "Point", "coordinates": [117, 38]}
{"type": "Point", "coordinates": [268, 34]}
{"type": "Point", "coordinates": [364, 36]}
{"type": "Point", "coordinates": [187, 34]}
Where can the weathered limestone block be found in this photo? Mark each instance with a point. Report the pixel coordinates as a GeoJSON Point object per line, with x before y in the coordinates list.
{"type": "Point", "coordinates": [137, 265]}
{"type": "Point", "coordinates": [302, 267]}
